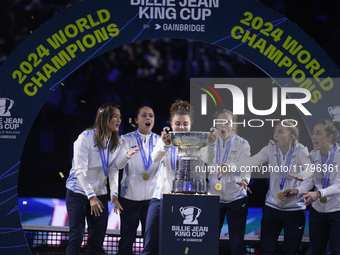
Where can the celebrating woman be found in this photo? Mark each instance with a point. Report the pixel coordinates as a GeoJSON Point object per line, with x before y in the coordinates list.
{"type": "Point", "coordinates": [233, 197]}
{"type": "Point", "coordinates": [324, 217]}
{"type": "Point", "coordinates": [95, 160]}
{"type": "Point", "coordinates": [284, 155]}
{"type": "Point", "coordinates": [180, 120]}
{"type": "Point", "coordinates": [139, 179]}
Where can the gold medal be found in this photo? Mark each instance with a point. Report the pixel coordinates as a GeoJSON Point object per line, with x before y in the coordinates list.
{"type": "Point", "coordinates": [278, 195]}
{"type": "Point", "coordinates": [323, 200]}
{"type": "Point", "coordinates": [146, 176]}
{"type": "Point", "coordinates": [218, 186]}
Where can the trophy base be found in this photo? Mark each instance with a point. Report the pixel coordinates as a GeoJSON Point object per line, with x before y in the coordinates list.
{"type": "Point", "coordinates": [189, 187]}
{"type": "Point", "coordinates": [188, 192]}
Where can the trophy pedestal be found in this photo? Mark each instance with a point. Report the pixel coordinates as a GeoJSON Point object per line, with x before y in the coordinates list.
{"type": "Point", "coordinates": [189, 224]}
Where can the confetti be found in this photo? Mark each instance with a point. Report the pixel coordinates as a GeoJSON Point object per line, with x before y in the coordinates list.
{"type": "Point", "coordinates": [130, 120]}
{"type": "Point", "coordinates": [133, 125]}
{"type": "Point", "coordinates": [83, 101]}
{"type": "Point", "coordinates": [186, 250]}
{"type": "Point", "coordinates": [61, 174]}
{"type": "Point", "coordinates": [62, 84]}
{"type": "Point", "coordinates": [24, 202]}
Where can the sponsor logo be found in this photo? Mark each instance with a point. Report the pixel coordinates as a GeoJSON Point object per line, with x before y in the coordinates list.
{"type": "Point", "coordinates": [9, 126]}
{"type": "Point", "coordinates": [5, 105]}
{"type": "Point", "coordinates": [190, 214]}
{"type": "Point", "coordinates": [334, 112]}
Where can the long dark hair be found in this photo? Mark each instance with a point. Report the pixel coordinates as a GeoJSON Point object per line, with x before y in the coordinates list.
{"type": "Point", "coordinates": [105, 114]}
{"type": "Point", "coordinates": [331, 128]}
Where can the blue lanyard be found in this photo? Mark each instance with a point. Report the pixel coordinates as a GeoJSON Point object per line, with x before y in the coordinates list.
{"type": "Point", "coordinates": [289, 158]}
{"type": "Point", "coordinates": [225, 156]}
{"type": "Point", "coordinates": [105, 163]}
{"type": "Point", "coordinates": [328, 173]}
{"type": "Point", "coordinates": [173, 158]}
{"type": "Point", "coordinates": [148, 163]}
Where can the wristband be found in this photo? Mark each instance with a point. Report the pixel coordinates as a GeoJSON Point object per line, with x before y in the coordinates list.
{"type": "Point", "coordinates": [246, 181]}
{"type": "Point", "coordinates": [319, 192]}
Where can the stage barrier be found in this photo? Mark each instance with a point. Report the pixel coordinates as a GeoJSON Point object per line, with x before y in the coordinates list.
{"type": "Point", "coordinates": [52, 240]}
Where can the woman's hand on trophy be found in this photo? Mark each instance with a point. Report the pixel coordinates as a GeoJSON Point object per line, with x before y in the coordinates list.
{"type": "Point", "coordinates": [166, 138]}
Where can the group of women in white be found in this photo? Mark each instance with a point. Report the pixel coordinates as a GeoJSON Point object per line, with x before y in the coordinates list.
{"type": "Point", "coordinates": [148, 162]}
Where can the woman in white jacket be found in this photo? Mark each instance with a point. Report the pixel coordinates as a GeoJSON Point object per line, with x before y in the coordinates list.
{"type": "Point", "coordinates": [180, 120]}
{"type": "Point", "coordinates": [139, 179]}
{"type": "Point", "coordinates": [324, 217]}
{"type": "Point", "coordinates": [233, 197]}
{"type": "Point", "coordinates": [95, 159]}
{"type": "Point", "coordinates": [284, 155]}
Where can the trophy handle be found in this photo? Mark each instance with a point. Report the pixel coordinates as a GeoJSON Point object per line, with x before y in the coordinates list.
{"type": "Point", "coordinates": [11, 104]}
{"type": "Point", "coordinates": [181, 210]}
{"type": "Point", "coordinates": [166, 129]}
{"type": "Point", "coordinates": [199, 212]}
{"type": "Point", "coordinates": [330, 111]}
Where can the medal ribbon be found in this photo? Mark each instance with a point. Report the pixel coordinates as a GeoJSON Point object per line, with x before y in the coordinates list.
{"type": "Point", "coordinates": [225, 156]}
{"type": "Point", "coordinates": [173, 158]}
{"type": "Point", "coordinates": [289, 158]}
{"type": "Point", "coordinates": [328, 173]}
{"type": "Point", "coordinates": [148, 163]}
{"type": "Point", "coordinates": [105, 163]}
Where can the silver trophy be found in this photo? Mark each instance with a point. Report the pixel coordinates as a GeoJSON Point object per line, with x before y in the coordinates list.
{"type": "Point", "coordinates": [334, 112]}
{"type": "Point", "coordinates": [189, 175]}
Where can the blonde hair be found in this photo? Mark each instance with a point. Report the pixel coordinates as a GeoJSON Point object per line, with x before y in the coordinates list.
{"type": "Point", "coordinates": [233, 117]}
{"type": "Point", "coordinates": [292, 127]}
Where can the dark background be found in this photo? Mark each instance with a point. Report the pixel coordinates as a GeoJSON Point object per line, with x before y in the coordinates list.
{"type": "Point", "coordinates": [154, 73]}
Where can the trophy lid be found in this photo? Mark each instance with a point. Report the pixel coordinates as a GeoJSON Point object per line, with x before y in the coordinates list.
{"type": "Point", "coordinates": [189, 139]}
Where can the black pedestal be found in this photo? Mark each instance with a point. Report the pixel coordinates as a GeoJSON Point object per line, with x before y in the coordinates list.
{"type": "Point", "coordinates": [189, 224]}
